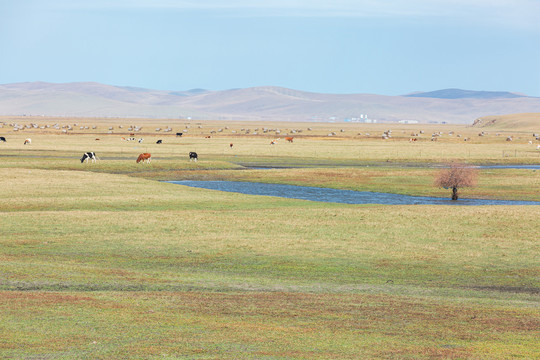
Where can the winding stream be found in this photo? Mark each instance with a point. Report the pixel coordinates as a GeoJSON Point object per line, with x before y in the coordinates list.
{"type": "Point", "coordinates": [338, 196]}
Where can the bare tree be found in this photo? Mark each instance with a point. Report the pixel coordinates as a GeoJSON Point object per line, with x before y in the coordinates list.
{"type": "Point", "coordinates": [456, 176]}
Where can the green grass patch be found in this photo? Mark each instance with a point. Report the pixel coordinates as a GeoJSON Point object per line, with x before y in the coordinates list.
{"type": "Point", "coordinates": [102, 261]}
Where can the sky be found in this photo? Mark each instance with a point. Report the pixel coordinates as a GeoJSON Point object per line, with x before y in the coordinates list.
{"type": "Point", "coordinates": [387, 47]}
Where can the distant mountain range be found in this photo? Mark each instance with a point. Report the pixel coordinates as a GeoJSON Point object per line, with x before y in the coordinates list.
{"type": "Point", "coordinates": [265, 103]}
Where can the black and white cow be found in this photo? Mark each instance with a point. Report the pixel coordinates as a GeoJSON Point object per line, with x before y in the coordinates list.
{"type": "Point", "coordinates": [193, 156]}
{"type": "Point", "coordinates": [159, 142]}
{"type": "Point", "coordinates": [89, 156]}
{"type": "Point", "coordinates": [2, 139]}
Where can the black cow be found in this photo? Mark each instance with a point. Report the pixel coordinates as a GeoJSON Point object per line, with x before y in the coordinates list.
{"type": "Point", "coordinates": [89, 156]}
{"type": "Point", "coordinates": [193, 156]}
{"type": "Point", "coordinates": [159, 142]}
{"type": "Point", "coordinates": [179, 134]}
{"type": "Point", "coordinates": [2, 139]}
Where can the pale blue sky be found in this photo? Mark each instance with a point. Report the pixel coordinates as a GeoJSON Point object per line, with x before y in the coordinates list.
{"type": "Point", "coordinates": [389, 47]}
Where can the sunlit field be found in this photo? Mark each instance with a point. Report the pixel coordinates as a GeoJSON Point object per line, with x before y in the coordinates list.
{"type": "Point", "coordinates": [316, 144]}
{"type": "Point", "coordinates": [106, 261]}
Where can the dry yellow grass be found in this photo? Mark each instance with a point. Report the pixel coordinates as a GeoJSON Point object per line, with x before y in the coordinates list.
{"type": "Point", "coordinates": [348, 147]}
{"type": "Point", "coordinates": [192, 128]}
{"type": "Point", "coordinates": [513, 122]}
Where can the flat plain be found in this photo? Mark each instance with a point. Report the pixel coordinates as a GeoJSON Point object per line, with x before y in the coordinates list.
{"type": "Point", "coordinates": [107, 261]}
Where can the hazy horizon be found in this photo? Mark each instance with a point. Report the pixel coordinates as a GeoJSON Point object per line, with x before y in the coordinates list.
{"type": "Point", "coordinates": [261, 86]}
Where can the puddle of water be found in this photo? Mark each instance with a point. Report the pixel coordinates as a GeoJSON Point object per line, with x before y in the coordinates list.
{"type": "Point", "coordinates": [338, 196]}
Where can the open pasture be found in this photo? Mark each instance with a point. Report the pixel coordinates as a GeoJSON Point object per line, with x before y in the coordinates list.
{"type": "Point", "coordinates": [102, 261]}
{"type": "Point", "coordinates": [351, 144]}
{"type": "Point", "coordinates": [217, 128]}
{"type": "Point", "coordinates": [272, 130]}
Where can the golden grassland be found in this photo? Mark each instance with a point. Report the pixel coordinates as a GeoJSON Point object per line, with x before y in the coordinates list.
{"type": "Point", "coordinates": [103, 261]}
{"type": "Point", "coordinates": [352, 146]}
{"type": "Point", "coordinates": [515, 124]}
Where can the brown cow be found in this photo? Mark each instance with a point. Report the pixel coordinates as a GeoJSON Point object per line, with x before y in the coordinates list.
{"type": "Point", "coordinates": [144, 156]}
{"type": "Point", "coordinates": [289, 139]}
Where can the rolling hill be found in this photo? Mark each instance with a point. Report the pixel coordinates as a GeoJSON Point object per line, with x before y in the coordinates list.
{"type": "Point", "coordinates": [524, 121]}
{"type": "Point", "coordinates": [257, 103]}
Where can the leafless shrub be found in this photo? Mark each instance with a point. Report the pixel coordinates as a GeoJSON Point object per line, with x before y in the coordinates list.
{"type": "Point", "coordinates": [456, 176]}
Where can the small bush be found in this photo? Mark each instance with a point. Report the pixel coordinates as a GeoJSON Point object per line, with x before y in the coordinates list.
{"type": "Point", "coordinates": [456, 176]}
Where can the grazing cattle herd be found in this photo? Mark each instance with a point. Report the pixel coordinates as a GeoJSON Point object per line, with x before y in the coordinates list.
{"type": "Point", "coordinates": [90, 156]}
{"type": "Point", "coordinates": [193, 156]}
